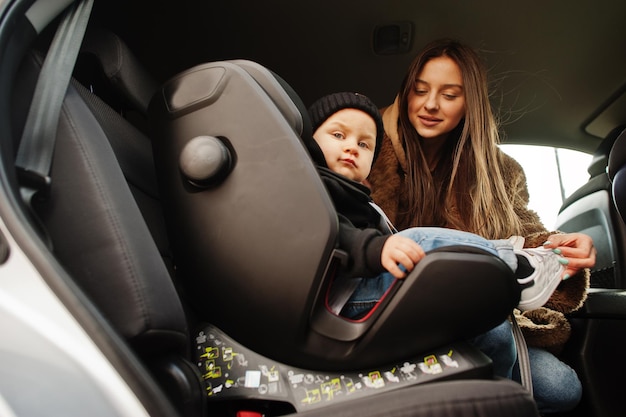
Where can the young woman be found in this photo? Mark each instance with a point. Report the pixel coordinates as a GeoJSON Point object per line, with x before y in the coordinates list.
{"type": "Point", "coordinates": [439, 165]}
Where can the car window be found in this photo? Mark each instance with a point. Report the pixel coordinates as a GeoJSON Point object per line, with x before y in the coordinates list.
{"type": "Point", "coordinates": [553, 174]}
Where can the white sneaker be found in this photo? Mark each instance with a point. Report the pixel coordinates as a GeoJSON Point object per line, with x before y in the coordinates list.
{"type": "Point", "coordinates": [539, 286]}
{"type": "Point", "coordinates": [517, 242]}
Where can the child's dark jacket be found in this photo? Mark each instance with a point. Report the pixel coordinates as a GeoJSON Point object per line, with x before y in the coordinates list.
{"type": "Point", "coordinates": [360, 235]}
{"type": "Point", "coordinates": [359, 232]}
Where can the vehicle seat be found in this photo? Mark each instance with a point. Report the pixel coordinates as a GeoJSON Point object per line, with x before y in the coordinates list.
{"type": "Point", "coordinates": [253, 232]}
{"type": "Point", "coordinates": [590, 210]}
{"type": "Point", "coordinates": [100, 236]}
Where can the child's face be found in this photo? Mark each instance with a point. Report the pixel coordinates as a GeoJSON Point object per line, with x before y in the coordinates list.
{"type": "Point", "coordinates": [348, 140]}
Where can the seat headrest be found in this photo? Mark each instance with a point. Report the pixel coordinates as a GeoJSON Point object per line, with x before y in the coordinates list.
{"type": "Point", "coordinates": [617, 156]}
{"type": "Point", "coordinates": [121, 68]}
{"type": "Point", "coordinates": [600, 157]}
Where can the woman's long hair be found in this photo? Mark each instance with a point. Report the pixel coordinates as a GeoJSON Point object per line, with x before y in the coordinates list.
{"type": "Point", "coordinates": [466, 190]}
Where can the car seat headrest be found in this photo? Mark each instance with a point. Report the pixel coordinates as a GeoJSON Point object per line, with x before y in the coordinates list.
{"type": "Point", "coordinates": [600, 157]}
{"type": "Point", "coordinates": [617, 156]}
{"type": "Point", "coordinates": [121, 68]}
{"type": "Point", "coordinates": [288, 102]}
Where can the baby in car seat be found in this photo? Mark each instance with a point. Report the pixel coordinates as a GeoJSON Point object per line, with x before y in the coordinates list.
{"type": "Point", "coordinates": [347, 135]}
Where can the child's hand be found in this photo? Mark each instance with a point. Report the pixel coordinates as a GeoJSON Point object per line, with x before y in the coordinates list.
{"type": "Point", "coordinates": [400, 250]}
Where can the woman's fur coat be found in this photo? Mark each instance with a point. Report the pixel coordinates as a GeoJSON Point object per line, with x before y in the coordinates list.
{"type": "Point", "coordinates": [546, 327]}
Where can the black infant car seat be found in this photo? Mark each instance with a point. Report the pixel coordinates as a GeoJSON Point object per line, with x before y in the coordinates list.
{"type": "Point", "coordinates": [254, 233]}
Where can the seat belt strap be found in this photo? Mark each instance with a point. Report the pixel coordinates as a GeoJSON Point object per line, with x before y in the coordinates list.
{"type": "Point", "coordinates": [34, 156]}
{"type": "Point", "coordinates": [522, 355]}
{"type": "Point", "coordinates": [341, 291]}
{"type": "Point", "coordinates": [385, 223]}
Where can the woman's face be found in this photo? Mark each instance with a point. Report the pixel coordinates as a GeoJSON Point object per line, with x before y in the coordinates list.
{"type": "Point", "coordinates": [436, 103]}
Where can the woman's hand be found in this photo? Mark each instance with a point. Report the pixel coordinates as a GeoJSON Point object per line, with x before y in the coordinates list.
{"type": "Point", "coordinates": [577, 248]}
{"type": "Point", "coordinates": [400, 250]}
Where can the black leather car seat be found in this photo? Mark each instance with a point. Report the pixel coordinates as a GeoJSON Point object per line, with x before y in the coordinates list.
{"type": "Point", "coordinates": [99, 235]}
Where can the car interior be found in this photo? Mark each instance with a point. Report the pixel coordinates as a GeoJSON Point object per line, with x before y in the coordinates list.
{"type": "Point", "coordinates": [194, 240]}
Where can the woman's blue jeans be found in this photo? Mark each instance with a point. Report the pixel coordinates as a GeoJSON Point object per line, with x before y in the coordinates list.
{"type": "Point", "coordinates": [556, 386]}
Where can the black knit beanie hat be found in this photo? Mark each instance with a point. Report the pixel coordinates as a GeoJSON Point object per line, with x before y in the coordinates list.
{"type": "Point", "coordinates": [326, 106]}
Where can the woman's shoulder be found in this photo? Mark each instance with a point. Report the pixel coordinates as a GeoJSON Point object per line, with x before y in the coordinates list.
{"type": "Point", "coordinates": [508, 160]}
{"type": "Point", "coordinates": [510, 168]}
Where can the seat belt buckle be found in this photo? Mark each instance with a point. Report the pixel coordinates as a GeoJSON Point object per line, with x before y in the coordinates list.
{"type": "Point", "coordinates": [36, 181]}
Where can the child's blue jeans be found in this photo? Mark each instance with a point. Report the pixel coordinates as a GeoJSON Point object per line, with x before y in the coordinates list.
{"type": "Point", "coordinates": [370, 290]}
